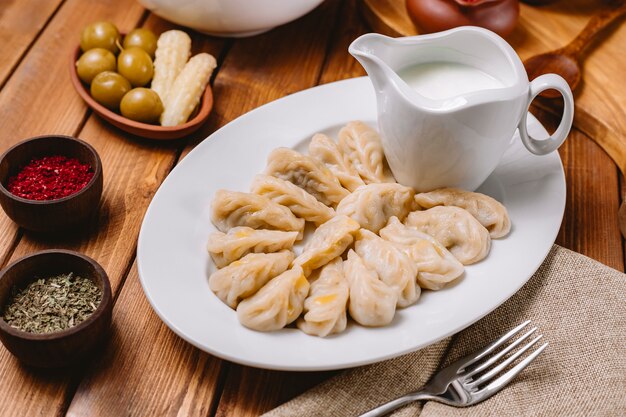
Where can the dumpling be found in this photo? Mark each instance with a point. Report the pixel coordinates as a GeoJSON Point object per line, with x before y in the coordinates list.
{"type": "Point", "coordinates": [233, 208]}
{"type": "Point", "coordinates": [487, 210]}
{"type": "Point", "coordinates": [325, 306]}
{"type": "Point", "coordinates": [301, 203]}
{"type": "Point", "coordinates": [392, 265]}
{"type": "Point", "coordinates": [329, 241]}
{"type": "Point", "coordinates": [326, 151]}
{"type": "Point", "coordinates": [225, 248]}
{"type": "Point", "coordinates": [277, 304]}
{"type": "Point", "coordinates": [363, 148]}
{"type": "Point", "coordinates": [244, 277]}
{"type": "Point", "coordinates": [371, 301]}
{"type": "Point", "coordinates": [435, 264]}
{"type": "Point", "coordinates": [455, 229]}
{"type": "Point", "coordinates": [373, 204]}
{"type": "Point", "coordinates": [307, 173]}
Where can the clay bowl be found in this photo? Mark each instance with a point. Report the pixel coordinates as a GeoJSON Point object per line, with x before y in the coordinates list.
{"type": "Point", "coordinates": [67, 347]}
{"type": "Point", "coordinates": [137, 128]}
{"type": "Point", "coordinates": [51, 215]}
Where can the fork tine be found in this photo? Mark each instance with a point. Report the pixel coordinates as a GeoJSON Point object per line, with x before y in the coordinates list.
{"type": "Point", "coordinates": [500, 354]}
{"type": "Point", "coordinates": [500, 367]}
{"type": "Point", "coordinates": [502, 381]}
{"type": "Point", "coordinates": [473, 357]}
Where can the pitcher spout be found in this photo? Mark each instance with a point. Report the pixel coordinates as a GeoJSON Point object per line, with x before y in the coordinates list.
{"type": "Point", "coordinates": [372, 52]}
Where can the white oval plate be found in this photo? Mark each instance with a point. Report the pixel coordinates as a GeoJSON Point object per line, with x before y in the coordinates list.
{"type": "Point", "coordinates": [174, 265]}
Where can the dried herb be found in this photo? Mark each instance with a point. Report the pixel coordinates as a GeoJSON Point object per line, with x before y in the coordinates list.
{"type": "Point", "coordinates": [52, 304]}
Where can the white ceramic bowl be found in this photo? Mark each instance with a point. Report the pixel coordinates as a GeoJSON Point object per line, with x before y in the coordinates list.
{"type": "Point", "coordinates": [237, 18]}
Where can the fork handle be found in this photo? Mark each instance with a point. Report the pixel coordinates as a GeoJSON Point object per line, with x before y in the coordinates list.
{"type": "Point", "coordinates": [387, 408]}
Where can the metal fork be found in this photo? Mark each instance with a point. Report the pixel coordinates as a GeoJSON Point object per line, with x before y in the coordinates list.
{"type": "Point", "coordinates": [459, 386]}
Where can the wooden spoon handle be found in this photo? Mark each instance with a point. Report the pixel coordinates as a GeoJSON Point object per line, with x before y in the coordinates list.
{"type": "Point", "coordinates": [595, 25]}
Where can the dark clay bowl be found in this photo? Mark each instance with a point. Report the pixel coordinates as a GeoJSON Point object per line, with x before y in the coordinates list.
{"type": "Point", "coordinates": [137, 128]}
{"type": "Point", "coordinates": [50, 215]}
{"type": "Point", "coordinates": [67, 347]}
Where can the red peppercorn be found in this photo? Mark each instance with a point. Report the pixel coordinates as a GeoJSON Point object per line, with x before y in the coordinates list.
{"type": "Point", "coordinates": [50, 178]}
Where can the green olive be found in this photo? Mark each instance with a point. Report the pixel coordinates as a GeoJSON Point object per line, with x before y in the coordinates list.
{"type": "Point", "coordinates": [135, 65]}
{"type": "Point", "coordinates": [141, 38]}
{"type": "Point", "coordinates": [93, 62]}
{"type": "Point", "coordinates": [142, 105]}
{"type": "Point", "coordinates": [108, 88]}
{"type": "Point", "coordinates": [100, 35]}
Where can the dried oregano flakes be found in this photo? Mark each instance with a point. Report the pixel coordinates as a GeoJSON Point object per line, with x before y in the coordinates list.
{"type": "Point", "coordinates": [52, 304]}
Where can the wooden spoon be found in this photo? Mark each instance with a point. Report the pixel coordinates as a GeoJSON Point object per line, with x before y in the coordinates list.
{"type": "Point", "coordinates": [566, 61]}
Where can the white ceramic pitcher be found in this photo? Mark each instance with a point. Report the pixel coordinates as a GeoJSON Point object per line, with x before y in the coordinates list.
{"type": "Point", "coordinates": [457, 141]}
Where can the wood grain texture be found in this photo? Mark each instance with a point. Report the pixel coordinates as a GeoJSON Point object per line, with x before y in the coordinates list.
{"type": "Point", "coordinates": [339, 63]}
{"type": "Point", "coordinates": [146, 369]}
{"type": "Point", "coordinates": [590, 225]}
{"type": "Point", "coordinates": [36, 99]}
{"type": "Point", "coordinates": [622, 209]}
{"type": "Point", "coordinates": [20, 23]}
{"type": "Point", "coordinates": [249, 392]}
{"type": "Point", "coordinates": [600, 98]}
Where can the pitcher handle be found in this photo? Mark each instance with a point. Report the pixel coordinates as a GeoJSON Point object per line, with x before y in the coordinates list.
{"type": "Point", "coordinates": [539, 84]}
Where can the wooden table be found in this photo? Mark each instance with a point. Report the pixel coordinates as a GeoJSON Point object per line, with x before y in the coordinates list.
{"type": "Point", "coordinates": [145, 369]}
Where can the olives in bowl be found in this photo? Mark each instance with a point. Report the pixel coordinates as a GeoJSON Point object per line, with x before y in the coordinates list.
{"type": "Point", "coordinates": [110, 77]}
{"type": "Point", "coordinates": [142, 104]}
{"type": "Point", "coordinates": [93, 62]}
{"type": "Point", "coordinates": [108, 88]}
{"type": "Point", "coordinates": [135, 65]}
{"type": "Point", "coordinates": [141, 38]}
{"type": "Point", "coordinates": [100, 35]}
{"type": "Point", "coordinates": [118, 85]}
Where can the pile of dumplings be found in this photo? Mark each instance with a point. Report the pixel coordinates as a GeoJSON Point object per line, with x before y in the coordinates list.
{"type": "Point", "coordinates": [376, 245]}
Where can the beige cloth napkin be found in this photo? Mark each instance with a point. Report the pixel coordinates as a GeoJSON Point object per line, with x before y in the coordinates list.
{"type": "Point", "coordinates": [579, 306]}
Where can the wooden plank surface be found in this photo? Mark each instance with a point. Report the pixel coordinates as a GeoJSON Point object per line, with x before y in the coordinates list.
{"type": "Point", "coordinates": [20, 23]}
{"type": "Point", "coordinates": [590, 224]}
{"type": "Point", "coordinates": [145, 369]}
